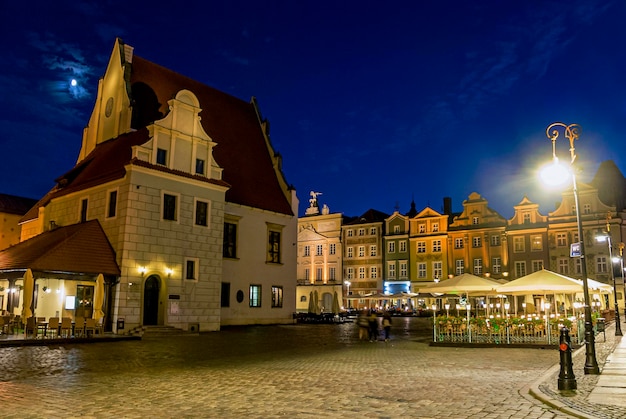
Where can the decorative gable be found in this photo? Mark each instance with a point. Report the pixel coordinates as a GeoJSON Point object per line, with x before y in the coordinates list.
{"type": "Point", "coordinates": [179, 142]}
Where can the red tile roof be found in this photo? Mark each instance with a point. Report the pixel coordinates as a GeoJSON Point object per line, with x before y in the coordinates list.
{"type": "Point", "coordinates": [232, 123]}
{"type": "Point", "coordinates": [11, 204]}
{"type": "Point", "coordinates": [76, 249]}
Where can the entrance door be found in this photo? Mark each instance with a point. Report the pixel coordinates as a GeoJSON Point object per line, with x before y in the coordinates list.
{"type": "Point", "coordinates": [151, 301]}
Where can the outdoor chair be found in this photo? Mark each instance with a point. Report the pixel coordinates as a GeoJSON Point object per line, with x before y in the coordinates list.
{"type": "Point", "coordinates": [79, 327]}
{"type": "Point", "coordinates": [31, 327]}
{"type": "Point", "coordinates": [53, 327]}
{"type": "Point", "coordinates": [90, 327]}
{"type": "Point", "coordinates": [66, 327]}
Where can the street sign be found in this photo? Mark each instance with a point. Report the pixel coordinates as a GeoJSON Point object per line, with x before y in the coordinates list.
{"type": "Point", "coordinates": [574, 250]}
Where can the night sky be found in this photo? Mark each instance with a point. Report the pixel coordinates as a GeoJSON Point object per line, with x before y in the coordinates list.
{"type": "Point", "coordinates": [371, 103]}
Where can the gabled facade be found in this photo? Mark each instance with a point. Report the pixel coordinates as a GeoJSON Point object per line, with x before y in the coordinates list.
{"type": "Point", "coordinates": [320, 265]}
{"type": "Point", "coordinates": [428, 247]}
{"type": "Point", "coordinates": [363, 254]}
{"type": "Point", "coordinates": [396, 269]}
{"type": "Point", "coordinates": [190, 194]}
{"type": "Point", "coordinates": [563, 231]}
{"type": "Point", "coordinates": [527, 239]}
{"type": "Point", "coordinates": [476, 240]}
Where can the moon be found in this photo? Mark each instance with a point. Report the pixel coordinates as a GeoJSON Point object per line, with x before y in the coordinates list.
{"type": "Point", "coordinates": [73, 83]}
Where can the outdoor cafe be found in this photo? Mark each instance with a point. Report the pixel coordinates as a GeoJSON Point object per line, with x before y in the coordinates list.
{"type": "Point", "coordinates": [529, 310]}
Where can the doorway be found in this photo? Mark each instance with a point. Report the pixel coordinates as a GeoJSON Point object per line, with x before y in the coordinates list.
{"type": "Point", "coordinates": [151, 292]}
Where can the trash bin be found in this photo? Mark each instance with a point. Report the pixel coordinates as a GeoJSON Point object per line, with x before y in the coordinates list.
{"type": "Point", "coordinates": [120, 324]}
{"type": "Point", "coordinates": [600, 324]}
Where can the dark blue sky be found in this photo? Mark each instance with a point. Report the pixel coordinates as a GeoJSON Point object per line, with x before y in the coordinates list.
{"type": "Point", "coordinates": [371, 103]}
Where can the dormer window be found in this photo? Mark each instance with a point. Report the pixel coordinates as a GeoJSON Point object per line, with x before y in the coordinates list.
{"type": "Point", "coordinates": [161, 157]}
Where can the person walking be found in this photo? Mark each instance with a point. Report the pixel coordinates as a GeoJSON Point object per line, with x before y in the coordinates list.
{"type": "Point", "coordinates": [362, 322]}
{"type": "Point", "coordinates": [373, 324]}
{"type": "Point", "coordinates": [387, 325]}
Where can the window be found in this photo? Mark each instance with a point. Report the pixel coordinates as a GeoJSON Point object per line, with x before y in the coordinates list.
{"type": "Point", "coordinates": [601, 264]}
{"type": "Point", "coordinates": [561, 239]}
{"type": "Point", "coordinates": [318, 274]}
{"type": "Point", "coordinates": [373, 231]}
{"type": "Point", "coordinates": [537, 265]}
{"type": "Point", "coordinates": [332, 248]}
{"type": "Point", "coordinates": [436, 245]}
{"type": "Point", "coordinates": [496, 265]}
{"type": "Point", "coordinates": [273, 244]}
{"type": "Point", "coordinates": [199, 167]}
{"type": "Point", "coordinates": [230, 240]}
{"type": "Point", "coordinates": [435, 227]}
{"type": "Point", "coordinates": [402, 246]}
{"type": "Point", "coordinates": [391, 270]}
{"type": "Point", "coordinates": [319, 250]}
{"type": "Point", "coordinates": [350, 273]}
{"type": "Point", "coordinates": [478, 266]}
{"type": "Point", "coordinates": [362, 272]}
{"type": "Point", "coordinates": [518, 244]}
{"type": "Point", "coordinates": [421, 270]}
{"type": "Point", "coordinates": [361, 232]}
{"type": "Point", "coordinates": [391, 247]}
{"type": "Point", "coordinates": [255, 296]}
{"type": "Point", "coordinates": [475, 220]}
{"type": "Point", "coordinates": [84, 300]}
{"type": "Point", "coordinates": [350, 251]}
{"type": "Point", "coordinates": [575, 235]}
{"type": "Point", "coordinates": [476, 241]}
{"type": "Point", "coordinates": [332, 274]}
{"type": "Point", "coordinates": [112, 204]}
{"type": "Point", "coordinates": [577, 266]}
{"type": "Point", "coordinates": [373, 250]}
{"type": "Point", "coordinates": [350, 233]}
{"type": "Point", "coordinates": [563, 266]}
{"type": "Point", "coordinates": [161, 157]}
{"type": "Point", "coordinates": [396, 229]}
{"type": "Point", "coordinates": [277, 296]}
{"type": "Point", "coordinates": [83, 210]}
{"type": "Point", "coordinates": [459, 266]}
{"type": "Point", "coordinates": [536, 243]}
{"type": "Point", "coordinates": [520, 269]}
{"type": "Point", "coordinates": [361, 251]}
{"type": "Point", "coordinates": [437, 269]}
{"type": "Point", "coordinates": [526, 218]}
{"type": "Point", "coordinates": [373, 272]}
{"type": "Point", "coordinates": [458, 243]}
{"type": "Point", "coordinates": [225, 296]}
{"type": "Point", "coordinates": [587, 209]}
{"type": "Point", "coordinates": [403, 270]}
{"type": "Point", "coordinates": [191, 269]}
{"type": "Point", "coordinates": [495, 240]}
{"type": "Point", "coordinates": [422, 228]}
{"type": "Point", "coordinates": [307, 250]}
{"type": "Point", "coordinates": [307, 274]}
{"type": "Point", "coordinates": [202, 213]}
{"type": "Point", "coordinates": [169, 207]}
{"type": "Point", "coordinates": [421, 247]}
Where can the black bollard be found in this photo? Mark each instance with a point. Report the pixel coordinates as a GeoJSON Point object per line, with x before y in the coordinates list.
{"type": "Point", "coordinates": [567, 380]}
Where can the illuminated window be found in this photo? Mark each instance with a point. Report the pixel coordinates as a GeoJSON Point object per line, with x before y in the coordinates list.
{"type": "Point", "coordinates": [277, 296]}
{"type": "Point", "coordinates": [255, 296]}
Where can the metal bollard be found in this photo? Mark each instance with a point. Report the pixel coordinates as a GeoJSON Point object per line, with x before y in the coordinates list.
{"type": "Point", "coordinates": [567, 380]}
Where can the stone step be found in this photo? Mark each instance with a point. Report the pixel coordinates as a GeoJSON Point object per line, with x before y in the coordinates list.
{"type": "Point", "coordinates": [158, 331]}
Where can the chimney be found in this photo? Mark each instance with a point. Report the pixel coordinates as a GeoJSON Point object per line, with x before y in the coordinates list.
{"type": "Point", "coordinates": [447, 205]}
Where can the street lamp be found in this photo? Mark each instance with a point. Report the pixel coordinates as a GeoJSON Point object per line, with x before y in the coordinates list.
{"type": "Point", "coordinates": [621, 261]}
{"type": "Point", "coordinates": [348, 283]}
{"type": "Point", "coordinates": [607, 237]}
{"type": "Point", "coordinates": [551, 176]}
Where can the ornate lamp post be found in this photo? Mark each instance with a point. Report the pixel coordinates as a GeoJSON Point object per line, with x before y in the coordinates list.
{"type": "Point", "coordinates": [607, 237]}
{"type": "Point", "coordinates": [348, 283]}
{"type": "Point", "coordinates": [572, 132]}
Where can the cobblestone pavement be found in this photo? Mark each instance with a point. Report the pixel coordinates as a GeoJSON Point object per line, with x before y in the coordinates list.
{"type": "Point", "coordinates": [303, 371]}
{"type": "Point", "coordinates": [576, 402]}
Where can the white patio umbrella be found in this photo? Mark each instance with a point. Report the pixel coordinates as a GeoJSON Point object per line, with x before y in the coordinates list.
{"type": "Point", "coordinates": [541, 282]}
{"type": "Point", "coordinates": [29, 287]}
{"type": "Point", "coordinates": [463, 284]}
